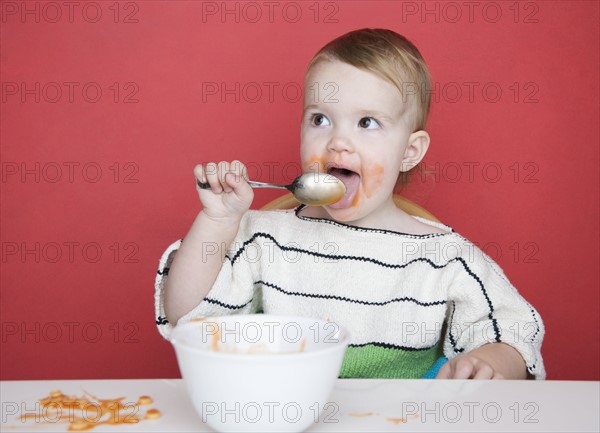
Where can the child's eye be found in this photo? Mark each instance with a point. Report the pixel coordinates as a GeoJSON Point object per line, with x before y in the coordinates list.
{"type": "Point", "coordinates": [319, 120]}
{"type": "Point", "coordinates": [368, 123]}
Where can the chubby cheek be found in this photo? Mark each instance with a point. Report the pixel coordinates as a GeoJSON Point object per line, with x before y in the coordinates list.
{"type": "Point", "coordinates": [308, 156]}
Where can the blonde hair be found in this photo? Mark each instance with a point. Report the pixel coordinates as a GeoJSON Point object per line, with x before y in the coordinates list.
{"type": "Point", "coordinates": [392, 57]}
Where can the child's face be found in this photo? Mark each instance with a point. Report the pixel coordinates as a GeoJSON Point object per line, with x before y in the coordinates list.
{"type": "Point", "coordinates": [357, 127]}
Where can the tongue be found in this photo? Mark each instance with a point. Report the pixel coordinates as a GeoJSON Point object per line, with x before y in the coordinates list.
{"type": "Point", "coordinates": [352, 181]}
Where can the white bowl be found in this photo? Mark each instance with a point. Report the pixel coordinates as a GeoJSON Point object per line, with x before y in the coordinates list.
{"type": "Point", "coordinates": [260, 372]}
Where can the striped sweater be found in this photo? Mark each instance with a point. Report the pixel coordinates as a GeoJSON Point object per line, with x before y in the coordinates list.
{"type": "Point", "coordinates": [406, 299]}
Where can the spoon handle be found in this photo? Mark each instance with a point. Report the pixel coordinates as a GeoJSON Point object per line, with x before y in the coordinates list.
{"type": "Point", "coordinates": [206, 185]}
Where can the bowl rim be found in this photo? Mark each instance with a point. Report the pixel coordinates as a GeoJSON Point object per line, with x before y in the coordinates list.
{"type": "Point", "coordinates": [342, 342]}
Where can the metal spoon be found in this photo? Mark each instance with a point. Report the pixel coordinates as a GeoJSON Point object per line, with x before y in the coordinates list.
{"type": "Point", "coordinates": [316, 189]}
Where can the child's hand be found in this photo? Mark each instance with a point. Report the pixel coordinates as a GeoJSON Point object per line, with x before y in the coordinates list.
{"type": "Point", "coordinates": [490, 361]}
{"type": "Point", "coordinates": [468, 366]}
{"type": "Point", "coordinates": [229, 195]}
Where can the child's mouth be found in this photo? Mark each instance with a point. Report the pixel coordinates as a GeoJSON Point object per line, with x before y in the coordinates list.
{"type": "Point", "coordinates": [351, 180]}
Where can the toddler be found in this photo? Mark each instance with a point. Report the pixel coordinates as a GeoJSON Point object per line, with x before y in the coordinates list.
{"type": "Point", "coordinates": [413, 293]}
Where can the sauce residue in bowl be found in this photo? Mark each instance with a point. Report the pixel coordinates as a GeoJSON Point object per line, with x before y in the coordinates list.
{"type": "Point", "coordinates": [217, 345]}
{"type": "Point", "coordinates": [87, 412]}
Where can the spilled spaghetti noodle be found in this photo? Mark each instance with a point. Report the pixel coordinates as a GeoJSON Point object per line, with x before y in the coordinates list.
{"type": "Point", "coordinates": [88, 411]}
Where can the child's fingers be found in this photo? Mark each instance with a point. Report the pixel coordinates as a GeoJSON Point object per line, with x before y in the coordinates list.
{"type": "Point", "coordinates": [240, 169]}
{"type": "Point", "coordinates": [223, 169]}
{"type": "Point", "coordinates": [234, 175]}
{"type": "Point", "coordinates": [457, 368]}
{"type": "Point", "coordinates": [498, 376]}
{"type": "Point", "coordinates": [199, 173]}
{"type": "Point", "coordinates": [239, 186]}
{"type": "Point", "coordinates": [211, 173]}
{"type": "Point", "coordinates": [463, 368]}
{"type": "Point", "coordinates": [207, 174]}
{"type": "Point", "coordinates": [445, 372]}
{"type": "Point", "coordinates": [224, 177]}
{"type": "Point", "coordinates": [483, 371]}
{"type": "Point", "coordinates": [237, 176]}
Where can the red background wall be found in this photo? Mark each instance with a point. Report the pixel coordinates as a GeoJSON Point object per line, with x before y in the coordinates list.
{"type": "Point", "coordinates": [95, 186]}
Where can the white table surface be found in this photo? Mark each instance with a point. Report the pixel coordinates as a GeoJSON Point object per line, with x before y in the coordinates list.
{"type": "Point", "coordinates": [355, 405]}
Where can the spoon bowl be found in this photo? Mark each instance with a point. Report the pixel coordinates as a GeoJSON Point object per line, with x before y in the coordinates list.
{"type": "Point", "coordinates": [313, 189]}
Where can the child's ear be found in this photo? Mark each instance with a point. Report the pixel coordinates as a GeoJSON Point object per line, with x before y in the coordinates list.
{"type": "Point", "coordinates": [418, 143]}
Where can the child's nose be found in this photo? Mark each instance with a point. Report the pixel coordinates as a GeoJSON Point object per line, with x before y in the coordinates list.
{"type": "Point", "coordinates": [340, 143]}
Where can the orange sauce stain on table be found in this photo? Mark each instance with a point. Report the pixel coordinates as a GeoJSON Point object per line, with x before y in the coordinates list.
{"type": "Point", "coordinates": [144, 400]}
{"type": "Point", "coordinates": [152, 414]}
{"type": "Point", "coordinates": [396, 420]}
{"type": "Point", "coordinates": [87, 412]}
{"type": "Point", "coordinates": [362, 414]}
